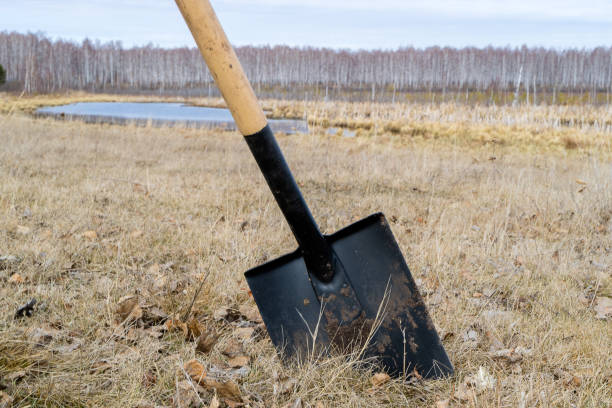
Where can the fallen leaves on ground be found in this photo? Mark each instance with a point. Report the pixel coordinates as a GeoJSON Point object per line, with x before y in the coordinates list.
{"type": "Point", "coordinates": [128, 309]}
{"type": "Point", "coordinates": [195, 370]}
{"type": "Point", "coordinates": [194, 328]}
{"type": "Point", "coordinates": [206, 341]}
{"type": "Point", "coordinates": [226, 313]}
{"type": "Point", "coordinates": [232, 348]}
{"type": "Point", "coordinates": [244, 333]}
{"type": "Point", "coordinates": [238, 361]}
{"type": "Point", "coordinates": [174, 325]}
{"type": "Point", "coordinates": [16, 279]}
{"type": "Point", "coordinates": [225, 387]}
{"type": "Point", "coordinates": [251, 313]}
{"type": "Point", "coordinates": [379, 379]}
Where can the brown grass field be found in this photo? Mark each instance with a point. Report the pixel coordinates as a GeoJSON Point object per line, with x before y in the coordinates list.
{"type": "Point", "coordinates": [504, 216]}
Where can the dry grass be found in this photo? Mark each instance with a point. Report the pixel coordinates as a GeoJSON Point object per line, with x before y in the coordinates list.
{"type": "Point", "coordinates": [554, 129]}
{"type": "Point", "coordinates": [508, 248]}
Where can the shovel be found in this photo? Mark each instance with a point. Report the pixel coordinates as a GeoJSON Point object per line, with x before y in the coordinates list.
{"type": "Point", "coordinates": [338, 293]}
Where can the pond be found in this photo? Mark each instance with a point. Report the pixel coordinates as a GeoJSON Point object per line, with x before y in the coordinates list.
{"type": "Point", "coordinates": [160, 114]}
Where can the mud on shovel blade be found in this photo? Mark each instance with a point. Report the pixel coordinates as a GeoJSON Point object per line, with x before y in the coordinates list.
{"type": "Point", "coordinates": [335, 293]}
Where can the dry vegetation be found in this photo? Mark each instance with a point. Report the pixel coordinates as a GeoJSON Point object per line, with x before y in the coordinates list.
{"type": "Point", "coordinates": [550, 128]}
{"type": "Point", "coordinates": [511, 248]}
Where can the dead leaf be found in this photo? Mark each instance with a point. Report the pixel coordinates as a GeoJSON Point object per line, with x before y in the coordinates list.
{"type": "Point", "coordinates": [319, 404]}
{"type": "Point", "coordinates": [153, 315]}
{"type": "Point", "coordinates": [581, 182]}
{"type": "Point", "coordinates": [244, 333]}
{"type": "Point", "coordinates": [195, 370]}
{"type": "Point", "coordinates": [90, 235]}
{"type": "Point", "coordinates": [136, 234]}
{"type": "Point", "coordinates": [443, 403]}
{"type": "Point", "coordinates": [195, 328]}
{"type": "Point", "coordinates": [603, 307]}
{"type": "Point", "coordinates": [379, 379]}
{"type": "Point", "coordinates": [226, 313]}
{"type": "Point", "coordinates": [238, 361]}
{"type": "Point", "coordinates": [173, 325]}
{"type": "Point", "coordinates": [232, 349]}
{"type": "Point", "coordinates": [251, 313]}
{"type": "Point", "coordinates": [574, 381]}
{"type": "Point", "coordinates": [225, 389]}
{"type": "Point", "coordinates": [16, 279]}
{"type": "Point", "coordinates": [207, 341]}
{"type": "Point", "coordinates": [214, 402]}
{"type": "Point", "coordinates": [128, 309]}
{"type": "Point", "coordinates": [23, 230]}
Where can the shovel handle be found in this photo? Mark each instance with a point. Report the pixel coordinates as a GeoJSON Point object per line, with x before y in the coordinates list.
{"type": "Point", "coordinates": [223, 65]}
{"type": "Point", "coordinates": [251, 121]}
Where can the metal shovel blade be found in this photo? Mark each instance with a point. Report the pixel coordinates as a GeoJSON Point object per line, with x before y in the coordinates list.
{"type": "Point", "coordinates": [393, 325]}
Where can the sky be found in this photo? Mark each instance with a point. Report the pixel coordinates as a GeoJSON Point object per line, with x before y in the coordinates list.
{"type": "Point", "coordinates": [352, 24]}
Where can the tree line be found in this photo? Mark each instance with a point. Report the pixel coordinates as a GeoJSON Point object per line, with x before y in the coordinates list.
{"type": "Point", "coordinates": [34, 63]}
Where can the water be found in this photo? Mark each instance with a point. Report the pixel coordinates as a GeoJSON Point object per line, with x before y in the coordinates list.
{"type": "Point", "coordinates": [160, 114]}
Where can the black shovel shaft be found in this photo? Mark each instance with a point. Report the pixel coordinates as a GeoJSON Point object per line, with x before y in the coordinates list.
{"type": "Point", "coordinates": [315, 249]}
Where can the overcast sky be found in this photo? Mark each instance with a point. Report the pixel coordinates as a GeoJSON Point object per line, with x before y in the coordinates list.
{"type": "Point", "coordinates": [352, 24]}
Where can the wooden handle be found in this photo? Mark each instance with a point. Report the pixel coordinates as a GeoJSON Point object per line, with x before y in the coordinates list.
{"type": "Point", "coordinates": [223, 64]}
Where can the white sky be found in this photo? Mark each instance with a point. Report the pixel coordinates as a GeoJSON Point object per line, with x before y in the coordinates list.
{"type": "Point", "coordinates": [339, 24]}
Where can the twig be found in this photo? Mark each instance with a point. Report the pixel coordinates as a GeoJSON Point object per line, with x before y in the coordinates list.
{"type": "Point", "coordinates": [195, 296]}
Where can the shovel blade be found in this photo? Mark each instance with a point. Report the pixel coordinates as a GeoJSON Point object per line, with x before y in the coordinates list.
{"type": "Point", "coordinates": [397, 332]}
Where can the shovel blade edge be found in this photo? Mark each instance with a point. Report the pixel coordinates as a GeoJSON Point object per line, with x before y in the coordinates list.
{"type": "Point", "coordinates": [403, 337]}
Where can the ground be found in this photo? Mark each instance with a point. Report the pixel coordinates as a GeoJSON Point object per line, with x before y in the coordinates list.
{"type": "Point", "coordinates": [113, 230]}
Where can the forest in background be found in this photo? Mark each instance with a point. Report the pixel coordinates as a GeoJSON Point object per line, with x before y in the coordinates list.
{"type": "Point", "coordinates": [499, 75]}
